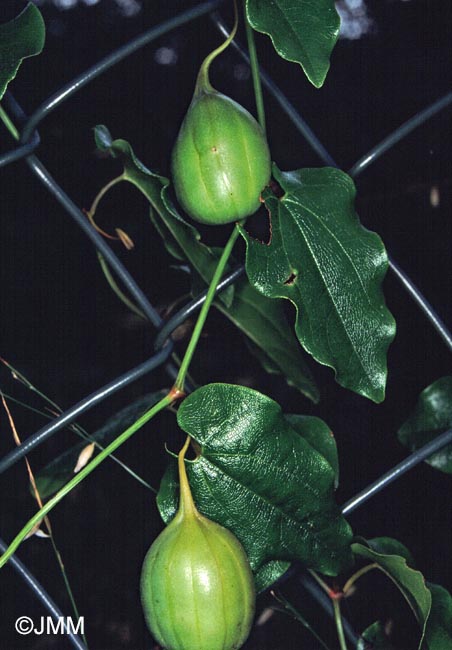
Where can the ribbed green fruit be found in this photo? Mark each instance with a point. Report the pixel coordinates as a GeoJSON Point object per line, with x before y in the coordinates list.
{"type": "Point", "coordinates": [197, 588]}
{"type": "Point", "coordinates": [221, 160]}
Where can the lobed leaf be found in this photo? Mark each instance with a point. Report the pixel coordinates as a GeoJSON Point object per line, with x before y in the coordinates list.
{"type": "Point", "coordinates": [20, 38]}
{"type": "Point", "coordinates": [431, 417]}
{"type": "Point", "coordinates": [305, 31]}
{"type": "Point", "coordinates": [261, 479]}
{"type": "Point", "coordinates": [331, 268]}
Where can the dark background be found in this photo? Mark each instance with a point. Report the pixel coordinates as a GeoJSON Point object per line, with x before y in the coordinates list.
{"type": "Point", "coordinates": [62, 327]}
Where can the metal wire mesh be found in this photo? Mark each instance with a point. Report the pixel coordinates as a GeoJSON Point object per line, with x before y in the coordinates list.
{"type": "Point", "coordinates": [29, 142]}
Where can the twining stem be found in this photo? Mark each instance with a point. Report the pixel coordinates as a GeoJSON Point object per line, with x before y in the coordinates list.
{"type": "Point", "coordinates": [255, 72]}
{"type": "Point", "coordinates": [115, 288]}
{"type": "Point", "coordinates": [351, 581]}
{"type": "Point", "coordinates": [180, 379]}
{"type": "Point", "coordinates": [338, 621]}
{"type": "Point", "coordinates": [104, 191]}
{"type": "Point", "coordinates": [92, 211]}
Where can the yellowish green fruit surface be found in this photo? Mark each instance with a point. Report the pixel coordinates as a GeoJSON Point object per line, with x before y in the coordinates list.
{"type": "Point", "coordinates": [221, 160]}
{"type": "Point", "coordinates": [197, 588]}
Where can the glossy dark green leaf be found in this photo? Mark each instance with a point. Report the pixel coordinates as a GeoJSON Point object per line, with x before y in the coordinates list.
{"type": "Point", "coordinates": [261, 479]}
{"type": "Point", "coordinates": [374, 638]}
{"type": "Point", "coordinates": [411, 583]}
{"type": "Point", "coordinates": [269, 573]}
{"type": "Point", "coordinates": [56, 473]}
{"type": "Point", "coordinates": [431, 416]}
{"type": "Point", "coordinates": [184, 239]}
{"type": "Point", "coordinates": [438, 632]}
{"type": "Point", "coordinates": [331, 268]}
{"type": "Point", "coordinates": [314, 431]}
{"type": "Point", "coordinates": [22, 37]}
{"type": "Point", "coordinates": [264, 322]}
{"type": "Point", "coordinates": [320, 437]}
{"type": "Point", "coordinates": [167, 502]}
{"type": "Point", "coordinates": [305, 31]}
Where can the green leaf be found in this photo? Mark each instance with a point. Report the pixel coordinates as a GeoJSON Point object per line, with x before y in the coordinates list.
{"type": "Point", "coordinates": [261, 319]}
{"type": "Point", "coordinates": [261, 479]}
{"type": "Point", "coordinates": [331, 268]}
{"type": "Point", "coordinates": [269, 573]}
{"type": "Point", "coordinates": [431, 417]}
{"type": "Point", "coordinates": [320, 437]}
{"type": "Point", "coordinates": [56, 473]}
{"type": "Point", "coordinates": [22, 37]}
{"type": "Point", "coordinates": [167, 502]}
{"type": "Point", "coordinates": [305, 31]}
{"type": "Point", "coordinates": [411, 583]}
{"type": "Point", "coordinates": [153, 186]}
{"type": "Point", "coordinates": [264, 322]}
{"type": "Point", "coordinates": [438, 632]}
{"type": "Point", "coordinates": [314, 431]}
{"type": "Point", "coordinates": [391, 546]}
{"type": "Point", "coordinates": [374, 638]}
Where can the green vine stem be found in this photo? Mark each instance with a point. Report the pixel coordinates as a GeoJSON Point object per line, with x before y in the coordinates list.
{"type": "Point", "coordinates": [180, 379]}
{"type": "Point", "coordinates": [175, 393]}
{"type": "Point", "coordinates": [351, 581]}
{"type": "Point", "coordinates": [255, 72]}
{"type": "Point", "coordinates": [336, 597]}
{"type": "Point", "coordinates": [338, 621]}
{"type": "Point", "coordinates": [78, 478]}
{"type": "Point", "coordinates": [4, 117]}
{"type": "Point", "coordinates": [326, 588]}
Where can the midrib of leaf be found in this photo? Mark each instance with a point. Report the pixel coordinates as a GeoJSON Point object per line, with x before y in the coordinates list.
{"type": "Point", "coordinates": [294, 34]}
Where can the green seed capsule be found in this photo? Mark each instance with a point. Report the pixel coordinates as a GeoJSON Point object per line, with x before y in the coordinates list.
{"type": "Point", "coordinates": [221, 160]}
{"type": "Point", "coordinates": [197, 588]}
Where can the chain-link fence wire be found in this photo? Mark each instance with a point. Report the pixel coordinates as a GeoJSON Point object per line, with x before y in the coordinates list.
{"type": "Point", "coordinates": [30, 140]}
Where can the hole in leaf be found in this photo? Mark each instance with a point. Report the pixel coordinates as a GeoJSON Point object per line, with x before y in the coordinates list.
{"type": "Point", "coordinates": [258, 225]}
{"type": "Point", "coordinates": [291, 279]}
{"type": "Point", "coordinates": [276, 188]}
